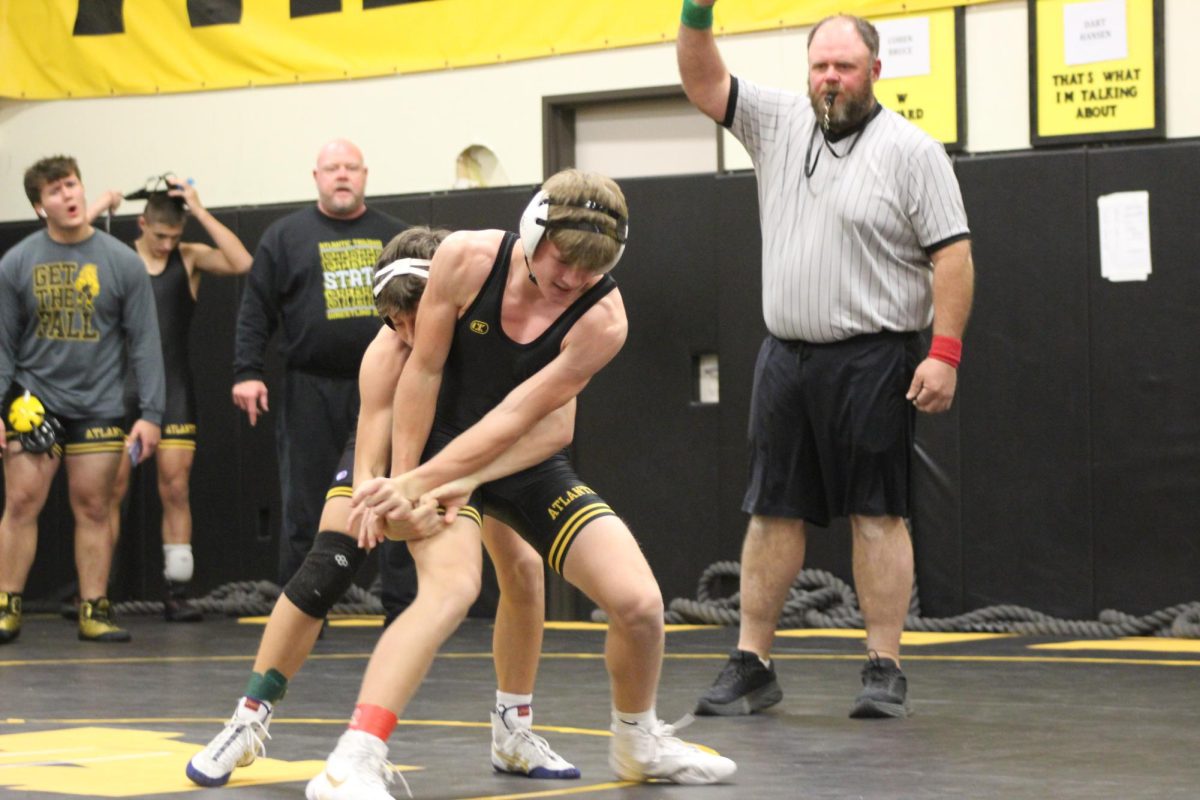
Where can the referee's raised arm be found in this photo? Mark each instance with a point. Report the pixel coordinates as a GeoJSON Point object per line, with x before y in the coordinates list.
{"type": "Point", "coordinates": [704, 75]}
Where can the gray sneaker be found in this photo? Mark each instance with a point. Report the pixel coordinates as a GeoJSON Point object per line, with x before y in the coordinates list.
{"type": "Point", "coordinates": [884, 693]}
{"type": "Point", "coordinates": [744, 686]}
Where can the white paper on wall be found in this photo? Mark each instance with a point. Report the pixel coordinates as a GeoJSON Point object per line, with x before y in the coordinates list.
{"type": "Point", "coordinates": [1124, 219]}
{"type": "Point", "coordinates": [1094, 32]}
{"type": "Point", "coordinates": [904, 47]}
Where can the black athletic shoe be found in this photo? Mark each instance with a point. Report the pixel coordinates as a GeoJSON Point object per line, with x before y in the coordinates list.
{"type": "Point", "coordinates": [177, 607]}
{"type": "Point", "coordinates": [884, 693]}
{"type": "Point", "coordinates": [743, 687]}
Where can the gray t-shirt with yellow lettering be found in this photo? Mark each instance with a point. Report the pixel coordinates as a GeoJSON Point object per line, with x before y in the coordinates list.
{"type": "Point", "coordinates": [68, 313]}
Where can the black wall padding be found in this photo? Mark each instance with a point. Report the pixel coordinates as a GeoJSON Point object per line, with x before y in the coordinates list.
{"type": "Point", "coordinates": [1064, 479]}
{"type": "Point", "coordinates": [1023, 387]}
{"type": "Point", "coordinates": [498, 208]}
{"type": "Point", "coordinates": [936, 522]}
{"type": "Point", "coordinates": [641, 442]}
{"type": "Point", "coordinates": [1145, 388]}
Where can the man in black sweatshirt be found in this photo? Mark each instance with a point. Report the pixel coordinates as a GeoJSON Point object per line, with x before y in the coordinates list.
{"type": "Point", "coordinates": [312, 274]}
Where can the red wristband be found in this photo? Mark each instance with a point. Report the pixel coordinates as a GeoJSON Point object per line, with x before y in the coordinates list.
{"type": "Point", "coordinates": [947, 350]}
{"type": "Point", "coordinates": [375, 720]}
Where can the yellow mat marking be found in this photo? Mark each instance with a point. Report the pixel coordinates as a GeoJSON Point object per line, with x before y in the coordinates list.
{"type": "Point", "coordinates": [603, 626]}
{"type": "Point", "coordinates": [1143, 644]}
{"type": "Point", "coordinates": [335, 621]}
{"type": "Point", "coordinates": [115, 762]}
{"type": "Point", "coordinates": [376, 621]}
{"type": "Point", "coordinates": [595, 787]}
{"type": "Point", "coordinates": [909, 638]}
{"type": "Point", "coordinates": [1185, 646]}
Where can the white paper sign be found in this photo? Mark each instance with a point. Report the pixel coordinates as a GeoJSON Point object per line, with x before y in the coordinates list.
{"type": "Point", "coordinates": [1094, 32]}
{"type": "Point", "coordinates": [1124, 236]}
{"type": "Point", "coordinates": [903, 47]}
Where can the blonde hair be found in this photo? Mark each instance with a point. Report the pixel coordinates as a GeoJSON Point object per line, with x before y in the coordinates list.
{"type": "Point", "coordinates": [570, 192]}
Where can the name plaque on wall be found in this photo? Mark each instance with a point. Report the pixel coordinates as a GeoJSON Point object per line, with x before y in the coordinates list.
{"type": "Point", "coordinates": [923, 72]}
{"type": "Point", "coordinates": [1096, 70]}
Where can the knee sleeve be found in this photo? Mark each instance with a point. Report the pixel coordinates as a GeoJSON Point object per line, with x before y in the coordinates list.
{"type": "Point", "coordinates": [326, 574]}
{"type": "Point", "coordinates": [177, 562]}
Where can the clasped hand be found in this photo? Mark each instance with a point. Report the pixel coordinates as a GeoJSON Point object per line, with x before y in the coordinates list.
{"type": "Point", "coordinates": [392, 508]}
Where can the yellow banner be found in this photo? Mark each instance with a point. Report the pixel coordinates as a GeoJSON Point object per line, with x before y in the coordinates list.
{"type": "Point", "coordinates": [97, 48]}
{"type": "Point", "coordinates": [1095, 71]}
{"type": "Point", "coordinates": [926, 47]}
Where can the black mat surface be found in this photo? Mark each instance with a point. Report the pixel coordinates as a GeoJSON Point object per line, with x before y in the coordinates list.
{"type": "Point", "coordinates": [999, 718]}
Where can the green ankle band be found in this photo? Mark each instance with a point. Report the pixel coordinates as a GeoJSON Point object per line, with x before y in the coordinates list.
{"type": "Point", "coordinates": [270, 687]}
{"type": "Point", "coordinates": [695, 16]}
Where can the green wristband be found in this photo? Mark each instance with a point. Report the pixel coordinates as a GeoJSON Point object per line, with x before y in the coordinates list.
{"type": "Point", "coordinates": [695, 16]}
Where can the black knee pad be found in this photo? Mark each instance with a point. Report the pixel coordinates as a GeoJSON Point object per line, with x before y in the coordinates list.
{"type": "Point", "coordinates": [326, 574]}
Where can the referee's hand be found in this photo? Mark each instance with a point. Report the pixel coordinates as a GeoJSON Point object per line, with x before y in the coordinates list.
{"type": "Point", "coordinates": [932, 387]}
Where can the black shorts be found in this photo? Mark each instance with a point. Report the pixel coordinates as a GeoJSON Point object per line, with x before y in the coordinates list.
{"type": "Point", "coordinates": [179, 415]}
{"type": "Point", "coordinates": [343, 476]}
{"type": "Point", "coordinates": [831, 433]}
{"type": "Point", "coordinates": [547, 504]}
{"type": "Point", "coordinates": [80, 435]}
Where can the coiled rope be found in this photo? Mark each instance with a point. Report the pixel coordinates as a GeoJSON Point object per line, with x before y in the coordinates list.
{"type": "Point", "coordinates": [819, 599]}
{"type": "Point", "coordinates": [816, 599]}
{"type": "Point", "coordinates": [254, 599]}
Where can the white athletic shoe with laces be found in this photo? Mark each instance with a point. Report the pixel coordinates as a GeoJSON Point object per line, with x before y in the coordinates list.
{"type": "Point", "coordinates": [516, 749]}
{"type": "Point", "coordinates": [237, 745]}
{"type": "Point", "coordinates": [640, 754]}
{"type": "Point", "coordinates": [357, 769]}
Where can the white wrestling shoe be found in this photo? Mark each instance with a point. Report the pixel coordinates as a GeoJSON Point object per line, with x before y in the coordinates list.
{"type": "Point", "coordinates": [357, 769]}
{"type": "Point", "coordinates": [519, 751]}
{"type": "Point", "coordinates": [237, 745]}
{"type": "Point", "coordinates": [638, 754]}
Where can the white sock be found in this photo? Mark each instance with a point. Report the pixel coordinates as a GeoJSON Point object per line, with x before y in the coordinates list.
{"type": "Point", "coordinates": [508, 703]}
{"type": "Point", "coordinates": [178, 564]}
{"type": "Point", "coordinates": [646, 720]}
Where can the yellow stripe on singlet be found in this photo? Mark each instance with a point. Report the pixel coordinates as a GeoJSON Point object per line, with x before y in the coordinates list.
{"type": "Point", "coordinates": [468, 511]}
{"type": "Point", "coordinates": [339, 491]}
{"type": "Point", "coordinates": [98, 447]}
{"type": "Point", "coordinates": [176, 444]}
{"type": "Point", "coordinates": [572, 526]}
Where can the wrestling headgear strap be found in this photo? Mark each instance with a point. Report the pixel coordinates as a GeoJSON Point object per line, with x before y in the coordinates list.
{"type": "Point", "coordinates": [405, 266]}
{"type": "Point", "coordinates": [535, 222]}
{"type": "Point", "coordinates": [44, 437]}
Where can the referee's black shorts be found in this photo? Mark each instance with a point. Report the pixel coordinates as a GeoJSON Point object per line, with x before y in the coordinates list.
{"type": "Point", "coordinates": [831, 433]}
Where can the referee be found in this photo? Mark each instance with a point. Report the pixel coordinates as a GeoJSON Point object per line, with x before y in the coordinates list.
{"type": "Point", "coordinates": [865, 242]}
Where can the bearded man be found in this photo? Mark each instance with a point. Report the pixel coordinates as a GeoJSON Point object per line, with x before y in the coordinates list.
{"type": "Point", "coordinates": [865, 243]}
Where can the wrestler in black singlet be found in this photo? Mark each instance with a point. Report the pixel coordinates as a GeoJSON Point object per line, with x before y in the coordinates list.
{"type": "Point", "coordinates": [174, 303]}
{"type": "Point", "coordinates": [547, 504]}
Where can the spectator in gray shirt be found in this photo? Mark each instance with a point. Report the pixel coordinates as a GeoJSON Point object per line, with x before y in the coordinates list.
{"type": "Point", "coordinates": [72, 300]}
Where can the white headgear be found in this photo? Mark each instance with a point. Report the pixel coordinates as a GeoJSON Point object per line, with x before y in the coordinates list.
{"type": "Point", "coordinates": [535, 221]}
{"type": "Point", "coordinates": [405, 266]}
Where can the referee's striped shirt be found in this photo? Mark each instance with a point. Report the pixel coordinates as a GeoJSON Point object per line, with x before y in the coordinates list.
{"type": "Point", "coordinates": [846, 250]}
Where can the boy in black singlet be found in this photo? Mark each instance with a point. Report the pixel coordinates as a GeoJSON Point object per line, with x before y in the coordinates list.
{"type": "Point", "coordinates": [330, 566]}
{"type": "Point", "coordinates": [510, 330]}
{"type": "Point", "coordinates": [175, 268]}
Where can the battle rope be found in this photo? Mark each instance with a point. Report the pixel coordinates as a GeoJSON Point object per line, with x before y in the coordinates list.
{"type": "Point", "coordinates": [818, 599]}
{"type": "Point", "coordinates": [254, 599]}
